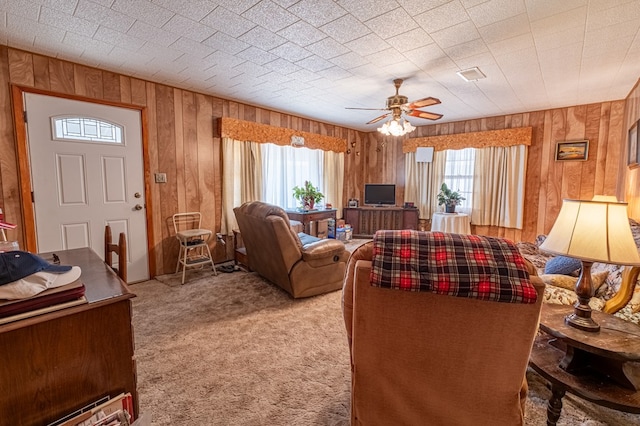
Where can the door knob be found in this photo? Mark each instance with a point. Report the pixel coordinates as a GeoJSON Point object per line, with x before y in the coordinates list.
{"type": "Point", "coordinates": [138, 207]}
{"type": "Point", "coordinates": [137, 195]}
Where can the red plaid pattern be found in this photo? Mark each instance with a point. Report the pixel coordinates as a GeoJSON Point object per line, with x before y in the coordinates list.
{"type": "Point", "coordinates": [472, 266]}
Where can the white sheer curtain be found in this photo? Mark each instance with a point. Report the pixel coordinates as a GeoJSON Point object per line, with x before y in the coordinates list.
{"type": "Point", "coordinates": [499, 184]}
{"type": "Point", "coordinates": [241, 178]}
{"type": "Point", "coordinates": [286, 167]}
{"type": "Point", "coordinates": [491, 179]}
{"type": "Point", "coordinates": [459, 176]}
{"type": "Point", "coordinates": [334, 179]}
{"type": "Point", "coordinates": [422, 182]}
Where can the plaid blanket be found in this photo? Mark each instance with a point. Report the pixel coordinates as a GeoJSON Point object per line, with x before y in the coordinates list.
{"type": "Point", "coordinates": [471, 266]}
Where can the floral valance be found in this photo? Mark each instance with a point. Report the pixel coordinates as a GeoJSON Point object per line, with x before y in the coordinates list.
{"type": "Point", "coordinates": [505, 137]}
{"type": "Point", "coordinates": [263, 133]}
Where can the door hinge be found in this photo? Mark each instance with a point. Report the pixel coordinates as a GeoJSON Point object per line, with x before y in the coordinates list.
{"type": "Point", "coordinates": [33, 200]}
{"type": "Point", "coordinates": [24, 114]}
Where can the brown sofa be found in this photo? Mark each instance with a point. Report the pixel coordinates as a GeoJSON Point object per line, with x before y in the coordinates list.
{"type": "Point", "coordinates": [421, 358]}
{"type": "Point", "coordinates": [276, 252]}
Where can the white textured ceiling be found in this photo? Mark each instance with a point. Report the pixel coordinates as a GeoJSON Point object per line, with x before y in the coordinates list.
{"type": "Point", "coordinates": [313, 58]}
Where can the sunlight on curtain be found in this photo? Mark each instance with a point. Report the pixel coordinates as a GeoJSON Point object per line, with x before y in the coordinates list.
{"type": "Point", "coordinates": [334, 180]}
{"type": "Point", "coordinates": [286, 167]}
{"type": "Point", "coordinates": [423, 181]}
{"type": "Point", "coordinates": [459, 175]}
{"type": "Point", "coordinates": [499, 177]}
{"type": "Point", "coordinates": [241, 178]}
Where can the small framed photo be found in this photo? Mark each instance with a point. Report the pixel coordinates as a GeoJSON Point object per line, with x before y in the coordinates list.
{"type": "Point", "coordinates": [633, 146]}
{"type": "Point", "coordinates": [572, 150]}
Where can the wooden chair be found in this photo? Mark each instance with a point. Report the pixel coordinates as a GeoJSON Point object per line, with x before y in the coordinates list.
{"type": "Point", "coordinates": [120, 249]}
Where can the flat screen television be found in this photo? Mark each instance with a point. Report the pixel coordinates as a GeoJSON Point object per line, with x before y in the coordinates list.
{"type": "Point", "coordinates": [380, 194]}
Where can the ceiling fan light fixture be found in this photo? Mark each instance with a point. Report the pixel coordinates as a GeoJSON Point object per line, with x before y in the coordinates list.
{"type": "Point", "coordinates": [471, 74]}
{"type": "Point", "coordinates": [396, 127]}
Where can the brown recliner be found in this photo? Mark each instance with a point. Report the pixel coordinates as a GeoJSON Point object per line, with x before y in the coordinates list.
{"type": "Point", "coordinates": [276, 252]}
{"type": "Point", "coordinates": [419, 358]}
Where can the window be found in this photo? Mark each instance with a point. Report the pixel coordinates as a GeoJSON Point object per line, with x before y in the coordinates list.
{"type": "Point", "coordinates": [285, 167]}
{"type": "Point", "coordinates": [86, 129]}
{"type": "Point", "coordinates": [458, 175]}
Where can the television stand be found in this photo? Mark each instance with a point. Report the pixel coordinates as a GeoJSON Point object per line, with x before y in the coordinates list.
{"type": "Point", "coordinates": [365, 221]}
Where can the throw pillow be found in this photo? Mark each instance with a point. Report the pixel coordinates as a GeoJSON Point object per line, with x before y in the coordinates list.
{"type": "Point", "coordinates": [568, 282]}
{"type": "Point", "coordinates": [561, 296]}
{"type": "Point", "coordinates": [562, 265]}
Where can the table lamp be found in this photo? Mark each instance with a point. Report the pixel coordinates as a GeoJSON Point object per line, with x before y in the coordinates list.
{"type": "Point", "coordinates": [592, 231]}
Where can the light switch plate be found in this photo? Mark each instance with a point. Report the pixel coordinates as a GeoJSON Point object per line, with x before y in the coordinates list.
{"type": "Point", "coordinates": [161, 177]}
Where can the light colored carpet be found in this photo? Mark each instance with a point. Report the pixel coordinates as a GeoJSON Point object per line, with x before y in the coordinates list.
{"type": "Point", "coordinates": [236, 350]}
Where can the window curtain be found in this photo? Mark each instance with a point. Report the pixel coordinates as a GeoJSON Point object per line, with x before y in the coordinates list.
{"type": "Point", "coordinates": [459, 176]}
{"type": "Point", "coordinates": [499, 186]}
{"type": "Point", "coordinates": [334, 180]}
{"type": "Point", "coordinates": [422, 182]}
{"type": "Point", "coordinates": [285, 167]}
{"type": "Point", "coordinates": [241, 178]}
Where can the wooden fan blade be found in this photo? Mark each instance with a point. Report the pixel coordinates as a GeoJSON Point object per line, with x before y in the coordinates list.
{"type": "Point", "coordinates": [367, 109]}
{"type": "Point", "coordinates": [421, 103]}
{"type": "Point", "coordinates": [424, 114]}
{"type": "Point", "coordinates": [375, 120]}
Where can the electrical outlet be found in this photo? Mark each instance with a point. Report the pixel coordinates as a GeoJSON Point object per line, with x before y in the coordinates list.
{"type": "Point", "coordinates": [161, 177]}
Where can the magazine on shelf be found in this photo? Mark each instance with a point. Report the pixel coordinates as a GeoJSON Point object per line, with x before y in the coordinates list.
{"type": "Point", "coordinates": [116, 411]}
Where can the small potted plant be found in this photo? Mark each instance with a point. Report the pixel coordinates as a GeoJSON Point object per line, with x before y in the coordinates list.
{"type": "Point", "coordinates": [449, 198]}
{"type": "Point", "coordinates": [308, 195]}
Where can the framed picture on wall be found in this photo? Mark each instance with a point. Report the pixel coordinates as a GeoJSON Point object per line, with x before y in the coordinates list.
{"type": "Point", "coordinates": [633, 146]}
{"type": "Point", "coordinates": [572, 150]}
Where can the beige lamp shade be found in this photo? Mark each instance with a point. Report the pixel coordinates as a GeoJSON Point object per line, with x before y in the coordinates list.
{"type": "Point", "coordinates": [594, 231]}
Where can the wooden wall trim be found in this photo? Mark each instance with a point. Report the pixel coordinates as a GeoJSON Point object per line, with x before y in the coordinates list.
{"type": "Point", "coordinates": [263, 133]}
{"type": "Point", "coordinates": [24, 172]}
{"type": "Point", "coordinates": [504, 137]}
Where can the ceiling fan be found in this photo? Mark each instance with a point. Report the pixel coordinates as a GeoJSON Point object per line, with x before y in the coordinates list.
{"type": "Point", "coordinates": [399, 104]}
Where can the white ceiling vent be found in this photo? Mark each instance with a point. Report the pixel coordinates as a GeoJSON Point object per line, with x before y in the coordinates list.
{"type": "Point", "coordinates": [471, 74]}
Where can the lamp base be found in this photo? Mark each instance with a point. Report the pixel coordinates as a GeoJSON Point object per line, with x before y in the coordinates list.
{"type": "Point", "coordinates": [581, 316]}
{"type": "Point", "coordinates": [581, 322]}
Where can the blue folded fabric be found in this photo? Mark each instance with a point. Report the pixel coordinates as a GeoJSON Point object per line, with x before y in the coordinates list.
{"type": "Point", "coordinates": [307, 239]}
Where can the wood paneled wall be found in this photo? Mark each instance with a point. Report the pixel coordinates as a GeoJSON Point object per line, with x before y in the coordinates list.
{"type": "Point", "coordinates": [373, 158]}
{"type": "Point", "coordinates": [379, 159]}
{"type": "Point", "coordinates": [548, 181]}
{"type": "Point", "coordinates": [181, 140]}
{"type": "Point", "coordinates": [631, 177]}
{"type": "Point", "coordinates": [182, 144]}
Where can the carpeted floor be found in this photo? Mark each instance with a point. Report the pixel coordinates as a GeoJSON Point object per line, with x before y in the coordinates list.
{"type": "Point", "coordinates": [236, 350]}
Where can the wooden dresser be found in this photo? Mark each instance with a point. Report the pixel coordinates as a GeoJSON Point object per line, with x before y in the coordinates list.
{"type": "Point", "coordinates": [56, 363]}
{"type": "Point", "coordinates": [365, 221]}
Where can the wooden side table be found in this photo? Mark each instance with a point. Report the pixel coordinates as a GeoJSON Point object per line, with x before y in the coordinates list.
{"type": "Point", "coordinates": [239, 250]}
{"type": "Point", "coordinates": [601, 367]}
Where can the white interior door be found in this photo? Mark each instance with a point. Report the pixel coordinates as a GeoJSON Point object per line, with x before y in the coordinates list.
{"type": "Point", "coordinates": [87, 171]}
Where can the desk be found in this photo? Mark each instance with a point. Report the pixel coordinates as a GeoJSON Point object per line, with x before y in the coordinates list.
{"type": "Point", "coordinates": [455, 223]}
{"type": "Point", "coordinates": [56, 363]}
{"type": "Point", "coordinates": [601, 367]}
{"type": "Point", "coordinates": [311, 216]}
